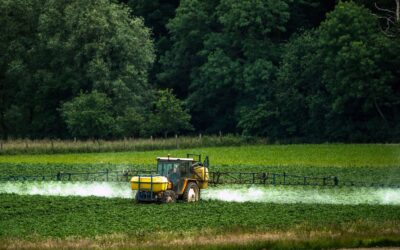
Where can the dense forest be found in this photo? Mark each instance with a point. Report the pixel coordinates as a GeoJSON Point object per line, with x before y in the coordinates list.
{"type": "Point", "coordinates": [301, 70]}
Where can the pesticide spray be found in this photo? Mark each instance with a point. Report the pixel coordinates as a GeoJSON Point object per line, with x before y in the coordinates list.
{"type": "Point", "coordinates": [268, 194]}
{"type": "Point", "coordinates": [310, 195]}
{"type": "Point", "coordinates": [57, 188]}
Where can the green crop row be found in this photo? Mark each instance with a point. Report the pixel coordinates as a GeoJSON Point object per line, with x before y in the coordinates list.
{"type": "Point", "coordinates": [368, 174]}
{"type": "Point", "coordinates": [339, 155]}
{"type": "Point", "coordinates": [25, 216]}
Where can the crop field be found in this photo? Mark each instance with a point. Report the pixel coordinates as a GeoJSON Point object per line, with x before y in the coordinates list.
{"type": "Point", "coordinates": [372, 163]}
{"type": "Point", "coordinates": [342, 155]}
{"type": "Point", "coordinates": [104, 215]}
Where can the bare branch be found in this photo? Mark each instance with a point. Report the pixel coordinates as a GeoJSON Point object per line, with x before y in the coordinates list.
{"type": "Point", "coordinates": [386, 31]}
{"type": "Point", "coordinates": [391, 19]}
{"type": "Point", "coordinates": [382, 9]}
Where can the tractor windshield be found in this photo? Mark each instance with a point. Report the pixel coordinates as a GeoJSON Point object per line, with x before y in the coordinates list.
{"type": "Point", "coordinates": [164, 168]}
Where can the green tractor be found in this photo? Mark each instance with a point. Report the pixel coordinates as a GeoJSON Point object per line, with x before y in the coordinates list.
{"type": "Point", "coordinates": [176, 179]}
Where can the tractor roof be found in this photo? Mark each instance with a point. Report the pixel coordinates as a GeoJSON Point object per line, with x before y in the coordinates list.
{"type": "Point", "coordinates": [173, 159]}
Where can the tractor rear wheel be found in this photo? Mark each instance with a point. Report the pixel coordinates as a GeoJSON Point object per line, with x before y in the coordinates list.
{"type": "Point", "coordinates": [192, 192]}
{"type": "Point", "coordinates": [169, 197]}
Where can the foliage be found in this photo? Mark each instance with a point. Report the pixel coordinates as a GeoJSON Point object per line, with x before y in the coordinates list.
{"type": "Point", "coordinates": [169, 115]}
{"type": "Point", "coordinates": [193, 20]}
{"type": "Point", "coordinates": [223, 46]}
{"type": "Point", "coordinates": [301, 97]}
{"type": "Point", "coordinates": [303, 70]}
{"type": "Point", "coordinates": [18, 21]}
{"type": "Point", "coordinates": [359, 74]}
{"type": "Point", "coordinates": [156, 15]}
{"type": "Point", "coordinates": [131, 123]}
{"type": "Point", "coordinates": [72, 216]}
{"type": "Point", "coordinates": [89, 115]}
{"type": "Point", "coordinates": [65, 48]}
{"type": "Point", "coordinates": [337, 82]}
{"type": "Point", "coordinates": [234, 77]}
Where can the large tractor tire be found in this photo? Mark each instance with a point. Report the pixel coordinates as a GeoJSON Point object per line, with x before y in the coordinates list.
{"type": "Point", "coordinates": [169, 197]}
{"type": "Point", "coordinates": [192, 193]}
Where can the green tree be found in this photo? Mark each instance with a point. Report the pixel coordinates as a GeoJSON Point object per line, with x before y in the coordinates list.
{"type": "Point", "coordinates": [89, 116]}
{"type": "Point", "coordinates": [301, 99]}
{"type": "Point", "coordinates": [156, 14]}
{"type": "Point", "coordinates": [131, 123]}
{"type": "Point", "coordinates": [169, 115]}
{"type": "Point", "coordinates": [340, 82]}
{"type": "Point", "coordinates": [75, 46]}
{"type": "Point", "coordinates": [18, 26]}
{"type": "Point", "coordinates": [215, 43]}
{"type": "Point", "coordinates": [193, 22]}
{"type": "Point", "coordinates": [361, 74]}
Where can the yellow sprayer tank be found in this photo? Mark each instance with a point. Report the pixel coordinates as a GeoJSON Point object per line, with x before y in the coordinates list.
{"type": "Point", "coordinates": [201, 174]}
{"type": "Point", "coordinates": [156, 183]}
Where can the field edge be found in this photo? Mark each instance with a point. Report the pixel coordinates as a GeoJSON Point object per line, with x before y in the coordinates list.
{"type": "Point", "coordinates": [299, 238]}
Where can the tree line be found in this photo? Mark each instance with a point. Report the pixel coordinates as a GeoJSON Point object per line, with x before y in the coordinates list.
{"type": "Point", "coordinates": [301, 70]}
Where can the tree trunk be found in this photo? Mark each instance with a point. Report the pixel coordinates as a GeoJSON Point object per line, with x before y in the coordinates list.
{"type": "Point", "coordinates": [380, 112]}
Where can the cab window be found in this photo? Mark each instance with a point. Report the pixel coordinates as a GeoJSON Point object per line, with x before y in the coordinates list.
{"type": "Point", "coordinates": [163, 168]}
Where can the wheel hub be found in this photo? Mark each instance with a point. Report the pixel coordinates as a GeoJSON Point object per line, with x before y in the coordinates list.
{"type": "Point", "coordinates": [192, 195]}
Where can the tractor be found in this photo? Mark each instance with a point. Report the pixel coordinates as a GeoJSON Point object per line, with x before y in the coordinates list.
{"type": "Point", "coordinates": [176, 179]}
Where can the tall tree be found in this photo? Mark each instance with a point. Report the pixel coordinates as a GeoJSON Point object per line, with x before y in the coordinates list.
{"type": "Point", "coordinates": [78, 46]}
{"type": "Point", "coordinates": [301, 99]}
{"type": "Point", "coordinates": [215, 43]}
{"type": "Point", "coordinates": [341, 82]}
{"type": "Point", "coordinates": [169, 115]}
{"type": "Point", "coordinates": [194, 20]}
{"type": "Point", "coordinates": [18, 26]}
{"type": "Point", "coordinates": [156, 14]}
{"type": "Point", "coordinates": [361, 73]}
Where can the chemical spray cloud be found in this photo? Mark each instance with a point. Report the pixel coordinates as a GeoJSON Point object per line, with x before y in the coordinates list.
{"type": "Point", "coordinates": [309, 195]}
{"type": "Point", "coordinates": [100, 189]}
{"type": "Point", "coordinates": [224, 193]}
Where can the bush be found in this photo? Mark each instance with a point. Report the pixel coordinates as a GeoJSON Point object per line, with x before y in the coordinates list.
{"type": "Point", "coordinates": [89, 116]}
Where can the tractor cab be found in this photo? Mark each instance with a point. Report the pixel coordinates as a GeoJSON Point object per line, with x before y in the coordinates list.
{"type": "Point", "coordinates": [174, 169]}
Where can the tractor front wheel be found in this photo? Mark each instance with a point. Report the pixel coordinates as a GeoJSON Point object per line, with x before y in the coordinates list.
{"type": "Point", "coordinates": [169, 197]}
{"type": "Point", "coordinates": [192, 192]}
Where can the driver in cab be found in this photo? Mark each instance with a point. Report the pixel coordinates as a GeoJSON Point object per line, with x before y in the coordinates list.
{"type": "Point", "coordinates": [174, 175]}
